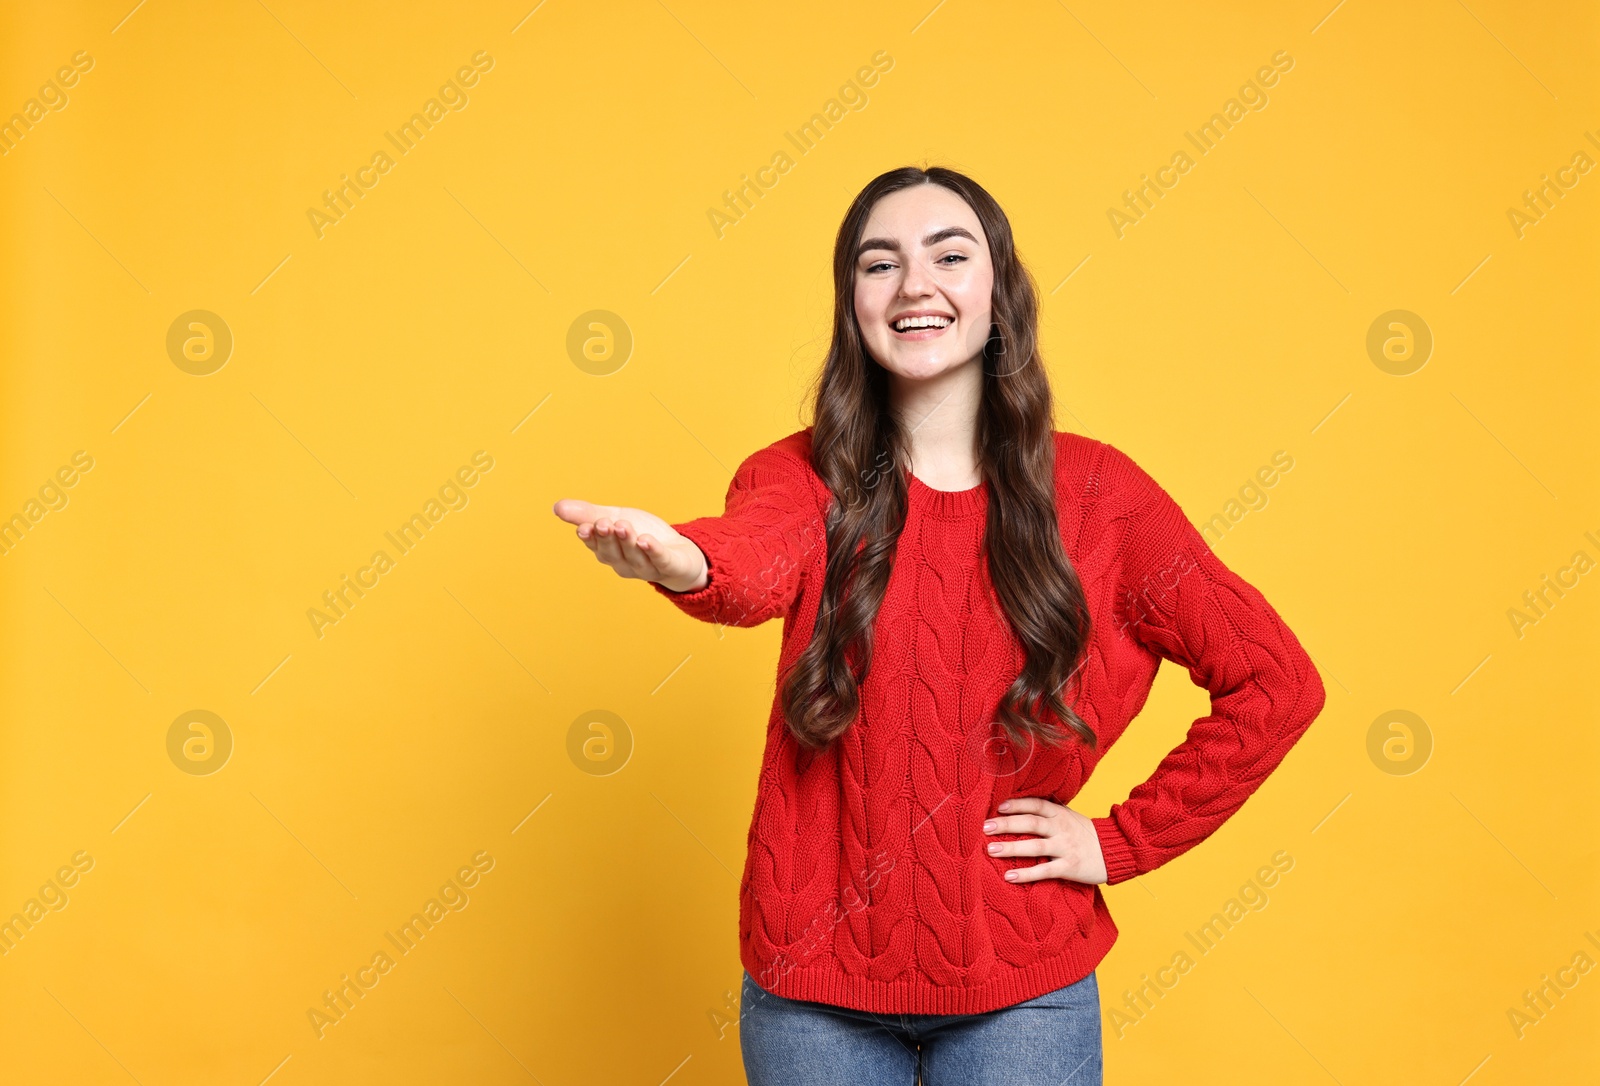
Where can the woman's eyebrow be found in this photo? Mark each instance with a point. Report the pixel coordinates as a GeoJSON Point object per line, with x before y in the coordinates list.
{"type": "Point", "coordinates": [932, 239]}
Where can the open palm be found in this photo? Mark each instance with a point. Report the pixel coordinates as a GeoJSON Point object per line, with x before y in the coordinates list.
{"type": "Point", "coordinates": [637, 544]}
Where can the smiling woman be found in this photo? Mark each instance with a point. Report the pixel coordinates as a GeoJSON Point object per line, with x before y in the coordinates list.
{"type": "Point", "coordinates": [946, 562]}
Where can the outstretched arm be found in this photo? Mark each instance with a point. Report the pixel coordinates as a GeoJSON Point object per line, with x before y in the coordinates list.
{"type": "Point", "coordinates": [738, 569]}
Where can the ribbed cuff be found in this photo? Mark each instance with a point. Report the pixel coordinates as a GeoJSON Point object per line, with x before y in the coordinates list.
{"type": "Point", "coordinates": [1116, 849]}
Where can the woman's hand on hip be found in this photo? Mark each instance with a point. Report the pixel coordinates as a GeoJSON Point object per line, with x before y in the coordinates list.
{"type": "Point", "coordinates": [1066, 837]}
{"type": "Point", "coordinates": [637, 544]}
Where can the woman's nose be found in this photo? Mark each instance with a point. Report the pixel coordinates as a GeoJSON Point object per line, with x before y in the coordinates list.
{"type": "Point", "coordinates": [915, 282]}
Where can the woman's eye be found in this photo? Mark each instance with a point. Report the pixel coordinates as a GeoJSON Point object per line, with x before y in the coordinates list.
{"type": "Point", "coordinates": [948, 256]}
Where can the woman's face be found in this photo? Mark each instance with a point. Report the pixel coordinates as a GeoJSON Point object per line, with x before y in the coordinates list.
{"type": "Point", "coordinates": [923, 252]}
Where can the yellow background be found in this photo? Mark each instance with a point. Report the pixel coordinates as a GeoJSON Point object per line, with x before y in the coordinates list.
{"type": "Point", "coordinates": [432, 722]}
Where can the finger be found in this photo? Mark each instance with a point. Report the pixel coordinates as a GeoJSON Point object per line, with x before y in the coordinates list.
{"type": "Point", "coordinates": [1047, 870]}
{"type": "Point", "coordinates": [1037, 846]}
{"type": "Point", "coordinates": [1026, 804]}
{"type": "Point", "coordinates": [611, 554]}
{"type": "Point", "coordinates": [606, 548]}
{"type": "Point", "coordinates": [660, 553]}
{"type": "Point", "coordinates": [646, 551]}
{"type": "Point", "coordinates": [1023, 823]}
{"type": "Point", "coordinates": [661, 559]}
{"type": "Point", "coordinates": [639, 563]}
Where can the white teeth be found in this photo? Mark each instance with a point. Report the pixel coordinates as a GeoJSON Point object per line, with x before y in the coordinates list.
{"type": "Point", "coordinates": [907, 323]}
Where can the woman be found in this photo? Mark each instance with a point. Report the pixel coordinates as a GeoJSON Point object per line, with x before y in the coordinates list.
{"type": "Point", "coordinates": [975, 605]}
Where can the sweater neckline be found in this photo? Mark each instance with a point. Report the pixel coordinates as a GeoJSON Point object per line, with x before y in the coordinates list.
{"type": "Point", "coordinates": [947, 502]}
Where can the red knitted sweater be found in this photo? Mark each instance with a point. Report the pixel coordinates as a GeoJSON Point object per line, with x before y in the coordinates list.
{"type": "Point", "coordinates": [866, 880]}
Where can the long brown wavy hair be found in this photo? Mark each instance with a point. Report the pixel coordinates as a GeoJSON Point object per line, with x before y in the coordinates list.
{"type": "Point", "coordinates": [862, 452]}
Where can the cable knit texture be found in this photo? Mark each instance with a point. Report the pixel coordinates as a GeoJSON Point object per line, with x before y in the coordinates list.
{"type": "Point", "coordinates": [866, 880]}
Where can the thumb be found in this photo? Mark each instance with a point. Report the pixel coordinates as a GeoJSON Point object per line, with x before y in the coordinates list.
{"type": "Point", "coordinates": [577, 511]}
{"type": "Point", "coordinates": [679, 559]}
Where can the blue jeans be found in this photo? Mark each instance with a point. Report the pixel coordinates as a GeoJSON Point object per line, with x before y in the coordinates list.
{"type": "Point", "coordinates": [1050, 1040]}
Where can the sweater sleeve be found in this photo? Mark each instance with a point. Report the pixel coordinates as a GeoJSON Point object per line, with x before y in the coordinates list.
{"type": "Point", "coordinates": [757, 550]}
{"type": "Point", "coordinates": [1177, 599]}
